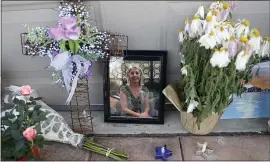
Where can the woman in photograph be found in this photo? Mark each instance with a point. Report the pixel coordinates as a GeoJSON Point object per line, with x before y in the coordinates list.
{"type": "Point", "coordinates": [134, 97]}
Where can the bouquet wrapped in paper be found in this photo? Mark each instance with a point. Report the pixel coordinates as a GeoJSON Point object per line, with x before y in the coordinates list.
{"type": "Point", "coordinates": [217, 56]}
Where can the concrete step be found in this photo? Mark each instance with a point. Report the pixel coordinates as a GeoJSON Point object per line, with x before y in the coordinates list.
{"type": "Point", "coordinates": [172, 126]}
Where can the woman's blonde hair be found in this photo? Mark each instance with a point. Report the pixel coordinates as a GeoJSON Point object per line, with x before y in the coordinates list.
{"type": "Point", "coordinates": [137, 66]}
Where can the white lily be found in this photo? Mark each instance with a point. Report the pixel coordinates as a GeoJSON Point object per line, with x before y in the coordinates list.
{"type": "Point", "coordinates": [200, 12]}
{"type": "Point", "coordinates": [265, 49]}
{"type": "Point", "coordinates": [184, 71]}
{"type": "Point", "coordinates": [255, 40]}
{"type": "Point", "coordinates": [242, 59]}
{"type": "Point", "coordinates": [192, 105]}
{"type": "Point", "coordinates": [242, 28]}
{"type": "Point", "coordinates": [209, 23]}
{"type": "Point", "coordinates": [220, 58]}
{"type": "Point", "coordinates": [181, 36]}
{"type": "Point", "coordinates": [209, 40]}
{"type": "Point", "coordinates": [196, 27]}
{"type": "Point", "coordinates": [60, 60]}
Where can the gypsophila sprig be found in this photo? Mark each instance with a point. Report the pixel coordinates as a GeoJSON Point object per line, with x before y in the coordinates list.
{"type": "Point", "coordinates": [72, 45]}
{"type": "Point", "coordinates": [217, 54]}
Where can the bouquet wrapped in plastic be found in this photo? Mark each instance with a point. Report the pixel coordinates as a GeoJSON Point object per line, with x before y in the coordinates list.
{"type": "Point", "coordinates": [55, 128]}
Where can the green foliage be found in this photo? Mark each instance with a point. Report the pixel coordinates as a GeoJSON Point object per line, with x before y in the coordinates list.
{"type": "Point", "coordinates": [211, 87]}
{"type": "Point", "coordinates": [14, 145]}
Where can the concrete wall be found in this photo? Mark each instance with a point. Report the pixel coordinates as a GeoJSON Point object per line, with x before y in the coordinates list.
{"type": "Point", "coordinates": [149, 25]}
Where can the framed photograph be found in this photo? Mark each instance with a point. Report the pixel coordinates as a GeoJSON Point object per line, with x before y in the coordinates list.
{"type": "Point", "coordinates": [133, 85]}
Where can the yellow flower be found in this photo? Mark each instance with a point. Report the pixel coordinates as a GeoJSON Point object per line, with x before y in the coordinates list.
{"type": "Point", "coordinates": [244, 39]}
{"type": "Point", "coordinates": [208, 19]}
{"type": "Point", "coordinates": [226, 6]}
{"type": "Point", "coordinates": [256, 32]}
{"type": "Point", "coordinates": [180, 30]}
{"type": "Point", "coordinates": [266, 38]}
{"type": "Point", "coordinates": [212, 33]}
{"type": "Point", "coordinates": [246, 23]}
{"type": "Point", "coordinates": [196, 16]}
{"type": "Point", "coordinates": [214, 12]}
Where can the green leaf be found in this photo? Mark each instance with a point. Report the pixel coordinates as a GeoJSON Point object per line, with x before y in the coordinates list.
{"type": "Point", "coordinates": [77, 46]}
{"type": "Point", "coordinates": [38, 128]}
{"type": "Point", "coordinates": [21, 118]}
{"type": "Point", "coordinates": [42, 116]}
{"type": "Point", "coordinates": [37, 107]}
{"type": "Point", "coordinates": [63, 45]}
{"type": "Point", "coordinates": [16, 101]}
{"type": "Point", "coordinates": [71, 46]}
{"type": "Point", "coordinates": [31, 98]}
{"type": "Point", "coordinates": [16, 134]}
{"type": "Point", "coordinates": [39, 138]}
{"type": "Point", "coordinates": [38, 98]}
{"type": "Point", "coordinates": [19, 144]}
{"type": "Point", "coordinates": [19, 153]}
{"type": "Point", "coordinates": [14, 126]}
{"type": "Point", "coordinates": [6, 123]}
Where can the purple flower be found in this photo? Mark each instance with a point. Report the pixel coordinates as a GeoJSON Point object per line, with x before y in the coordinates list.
{"type": "Point", "coordinates": [67, 30]}
{"type": "Point", "coordinates": [57, 33]}
{"type": "Point", "coordinates": [68, 22]}
{"type": "Point", "coordinates": [232, 48]}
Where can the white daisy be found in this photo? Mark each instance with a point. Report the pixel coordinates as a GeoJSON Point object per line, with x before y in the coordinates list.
{"type": "Point", "coordinates": [181, 36]}
{"type": "Point", "coordinates": [220, 58]}
{"type": "Point", "coordinates": [265, 49]}
{"type": "Point", "coordinates": [209, 40]}
{"type": "Point", "coordinates": [184, 70]}
{"type": "Point", "coordinates": [255, 41]}
{"type": "Point", "coordinates": [242, 59]}
{"type": "Point", "coordinates": [209, 23]}
{"type": "Point", "coordinates": [242, 28]}
{"type": "Point", "coordinates": [192, 105]}
{"type": "Point", "coordinates": [200, 12]}
{"type": "Point", "coordinates": [196, 27]}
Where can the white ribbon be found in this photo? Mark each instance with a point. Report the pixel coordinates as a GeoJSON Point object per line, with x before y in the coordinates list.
{"type": "Point", "coordinates": [61, 62]}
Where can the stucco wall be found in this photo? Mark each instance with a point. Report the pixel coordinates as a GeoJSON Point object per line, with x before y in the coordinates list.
{"type": "Point", "coordinates": [149, 25]}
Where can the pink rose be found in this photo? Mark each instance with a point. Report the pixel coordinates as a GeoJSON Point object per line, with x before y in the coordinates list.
{"type": "Point", "coordinates": [30, 134]}
{"type": "Point", "coordinates": [25, 90]}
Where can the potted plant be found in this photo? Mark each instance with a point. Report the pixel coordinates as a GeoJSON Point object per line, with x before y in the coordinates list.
{"type": "Point", "coordinates": [20, 127]}
{"type": "Point", "coordinates": [217, 56]}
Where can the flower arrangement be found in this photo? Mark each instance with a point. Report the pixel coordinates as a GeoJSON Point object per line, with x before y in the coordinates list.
{"type": "Point", "coordinates": [21, 131]}
{"type": "Point", "coordinates": [217, 55]}
{"type": "Point", "coordinates": [72, 45]}
{"type": "Point", "coordinates": [49, 126]}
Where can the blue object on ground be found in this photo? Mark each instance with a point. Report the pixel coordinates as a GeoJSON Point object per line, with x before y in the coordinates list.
{"type": "Point", "coordinates": [163, 153]}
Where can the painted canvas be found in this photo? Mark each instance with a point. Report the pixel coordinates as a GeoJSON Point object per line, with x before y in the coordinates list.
{"type": "Point", "coordinates": [255, 102]}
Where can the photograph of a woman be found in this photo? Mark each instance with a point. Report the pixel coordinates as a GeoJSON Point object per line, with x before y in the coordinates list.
{"type": "Point", "coordinates": [134, 97]}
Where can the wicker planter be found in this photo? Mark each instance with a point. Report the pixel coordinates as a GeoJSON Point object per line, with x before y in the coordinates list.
{"type": "Point", "coordinates": [187, 119]}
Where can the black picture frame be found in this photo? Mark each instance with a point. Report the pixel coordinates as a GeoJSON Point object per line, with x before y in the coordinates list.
{"type": "Point", "coordinates": [138, 55]}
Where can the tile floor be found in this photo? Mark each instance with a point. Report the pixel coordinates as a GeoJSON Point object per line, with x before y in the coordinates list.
{"type": "Point", "coordinates": [254, 147]}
